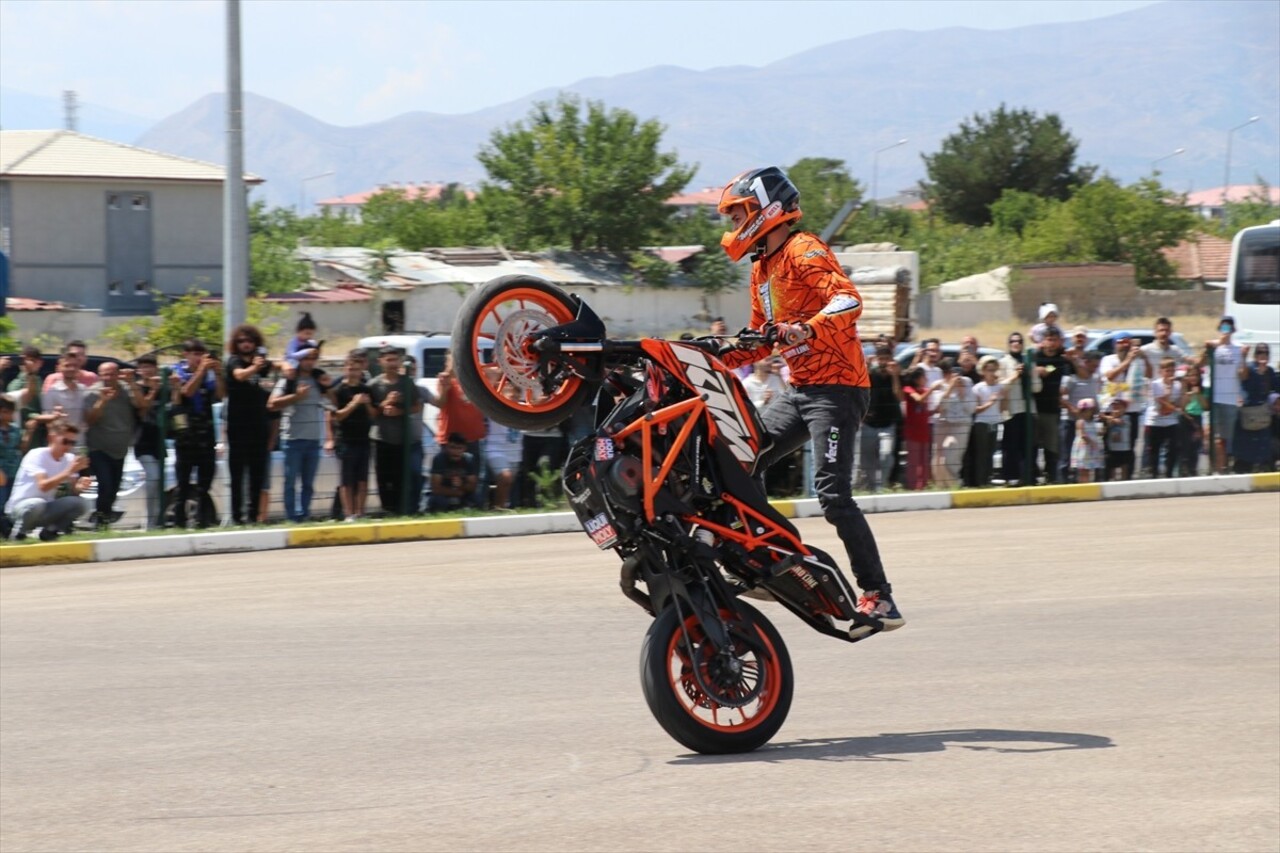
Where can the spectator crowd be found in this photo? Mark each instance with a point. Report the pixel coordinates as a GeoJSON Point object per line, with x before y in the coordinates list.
{"type": "Point", "coordinates": [1053, 410]}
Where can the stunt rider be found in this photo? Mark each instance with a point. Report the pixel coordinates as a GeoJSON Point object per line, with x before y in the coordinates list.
{"type": "Point", "coordinates": [798, 287]}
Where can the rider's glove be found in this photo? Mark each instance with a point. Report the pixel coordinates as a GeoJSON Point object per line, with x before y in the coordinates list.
{"type": "Point", "coordinates": [790, 334]}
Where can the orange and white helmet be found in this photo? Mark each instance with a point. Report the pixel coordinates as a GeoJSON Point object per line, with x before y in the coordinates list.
{"type": "Point", "coordinates": [769, 199]}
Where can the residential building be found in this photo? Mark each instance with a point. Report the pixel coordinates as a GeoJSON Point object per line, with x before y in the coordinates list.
{"type": "Point", "coordinates": [103, 225]}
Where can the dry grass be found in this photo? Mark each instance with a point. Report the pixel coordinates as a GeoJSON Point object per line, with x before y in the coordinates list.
{"type": "Point", "coordinates": [1196, 328]}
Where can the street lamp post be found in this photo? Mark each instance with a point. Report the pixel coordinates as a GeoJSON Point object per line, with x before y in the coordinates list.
{"type": "Point", "coordinates": [1175, 153]}
{"type": "Point", "coordinates": [1226, 175]}
{"type": "Point", "coordinates": [875, 173]}
{"type": "Point", "coordinates": [302, 191]}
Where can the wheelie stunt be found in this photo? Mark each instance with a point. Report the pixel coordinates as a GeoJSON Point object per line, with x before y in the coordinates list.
{"type": "Point", "coordinates": [668, 477]}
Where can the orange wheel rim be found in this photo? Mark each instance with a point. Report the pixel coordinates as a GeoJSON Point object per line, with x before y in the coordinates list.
{"type": "Point", "coordinates": [758, 674]}
{"type": "Point", "coordinates": [505, 323]}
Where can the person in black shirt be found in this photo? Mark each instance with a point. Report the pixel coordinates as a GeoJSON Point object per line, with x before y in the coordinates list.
{"type": "Point", "coordinates": [880, 426]}
{"type": "Point", "coordinates": [354, 413]}
{"type": "Point", "coordinates": [1051, 366]}
{"type": "Point", "coordinates": [453, 476]}
{"type": "Point", "coordinates": [248, 454]}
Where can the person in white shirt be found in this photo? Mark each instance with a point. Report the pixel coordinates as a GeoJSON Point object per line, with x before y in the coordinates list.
{"type": "Point", "coordinates": [1161, 419]}
{"type": "Point", "coordinates": [988, 395]}
{"type": "Point", "coordinates": [63, 396]}
{"type": "Point", "coordinates": [764, 383]}
{"type": "Point", "coordinates": [951, 430]}
{"type": "Point", "coordinates": [34, 501]}
{"type": "Point", "coordinates": [1225, 358]}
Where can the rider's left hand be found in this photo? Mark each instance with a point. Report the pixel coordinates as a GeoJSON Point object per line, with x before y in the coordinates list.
{"type": "Point", "coordinates": [790, 334]}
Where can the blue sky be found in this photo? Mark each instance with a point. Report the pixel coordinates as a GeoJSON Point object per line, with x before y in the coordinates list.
{"type": "Point", "coordinates": [350, 63]}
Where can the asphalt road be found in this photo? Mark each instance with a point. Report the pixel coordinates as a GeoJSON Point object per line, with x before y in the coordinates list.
{"type": "Point", "coordinates": [1101, 676]}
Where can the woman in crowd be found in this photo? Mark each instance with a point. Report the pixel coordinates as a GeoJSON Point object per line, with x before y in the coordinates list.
{"type": "Point", "coordinates": [1254, 447]}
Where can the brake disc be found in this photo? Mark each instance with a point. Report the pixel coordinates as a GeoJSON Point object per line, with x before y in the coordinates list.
{"type": "Point", "coordinates": [519, 369]}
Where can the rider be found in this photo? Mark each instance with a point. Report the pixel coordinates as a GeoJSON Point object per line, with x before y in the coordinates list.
{"type": "Point", "coordinates": [798, 288]}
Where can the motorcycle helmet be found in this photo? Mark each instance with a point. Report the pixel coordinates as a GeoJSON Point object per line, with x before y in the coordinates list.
{"type": "Point", "coordinates": [769, 199]}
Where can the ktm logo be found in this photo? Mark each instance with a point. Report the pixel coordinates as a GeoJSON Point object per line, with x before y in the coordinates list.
{"type": "Point", "coordinates": [720, 400]}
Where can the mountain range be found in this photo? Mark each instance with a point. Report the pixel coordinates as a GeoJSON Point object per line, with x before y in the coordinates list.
{"type": "Point", "coordinates": [1132, 88]}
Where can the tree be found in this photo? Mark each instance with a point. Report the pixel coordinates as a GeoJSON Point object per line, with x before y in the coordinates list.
{"type": "Point", "coordinates": [273, 237]}
{"type": "Point", "coordinates": [1107, 222]}
{"type": "Point", "coordinates": [1256, 209]}
{"type": "Point", "coordinates": [1004, 150]}
{"type": "Point", "coordinates": [413, 224]}
{"type": "Point", "coordinates": [714, 272]}
{"type": "Point", "coordinates": [188, 317]}
{"type": "Point", "coordinates": [825, 187]}
{"type": "Point", "coordinates": [592, 180]}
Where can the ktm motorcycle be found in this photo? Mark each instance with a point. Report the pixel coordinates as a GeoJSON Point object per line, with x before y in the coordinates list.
{"type": "Point", "coordinates": [666, 479]}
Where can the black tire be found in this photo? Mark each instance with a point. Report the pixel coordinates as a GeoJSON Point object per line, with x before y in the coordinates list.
{"type": "Point", "coordinates": [528, 304]}
{"type": "Point", "coordinates": [697, 720]}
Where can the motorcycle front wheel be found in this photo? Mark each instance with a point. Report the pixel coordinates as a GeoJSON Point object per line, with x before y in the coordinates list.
{"type": "Point", "coordinates": [495, 366]}
{"type": "Point", "coordinates": [716, 701]}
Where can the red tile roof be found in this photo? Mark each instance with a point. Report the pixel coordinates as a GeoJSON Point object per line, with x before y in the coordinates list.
{"type": "Point", "coordinates": [413, 192]}
{"type": "Point", "coordinates": [26, 303]}
{"type": "Point", "coordinates": [1204, 258]}
{"type": "Point", "coordinates": [709, 197]}
{"type": "Point", "coordinates": [1235, 193]}
{"type": "Point", "coordinates": [341, 293]}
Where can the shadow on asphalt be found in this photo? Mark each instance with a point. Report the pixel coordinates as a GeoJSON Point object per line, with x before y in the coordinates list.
{"type": "Point", "coordinates": [894, 747]}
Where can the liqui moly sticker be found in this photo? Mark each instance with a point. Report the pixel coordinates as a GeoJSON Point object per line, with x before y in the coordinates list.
{"type": "Point", "coordinates": [604, 449]}
{"type": "Point", "coordinates": [601, 531]}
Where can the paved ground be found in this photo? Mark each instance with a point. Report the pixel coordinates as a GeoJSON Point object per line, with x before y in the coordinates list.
{"type": "Point", "coordinates": [1099, 676]}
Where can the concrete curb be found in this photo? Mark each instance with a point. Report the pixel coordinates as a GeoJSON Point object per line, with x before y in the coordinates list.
{"type": "Point", "coordinates": [325, 535]}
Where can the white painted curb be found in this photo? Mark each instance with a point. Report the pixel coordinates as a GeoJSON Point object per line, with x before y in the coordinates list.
{"type": "Point", "coordinates": [566, 522]}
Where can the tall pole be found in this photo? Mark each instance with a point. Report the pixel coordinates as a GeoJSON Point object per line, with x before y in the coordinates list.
{"type": "Point", "coordinates": [1226, 175]}
{"type": "Point", "coordinates": [302, 191]}
{"type": "Point", "coordinates": [875, 174]}
{"type": "Point", "coordinates": [235, 214]}
{"type": "Point", "coordinates": [1175, 153]}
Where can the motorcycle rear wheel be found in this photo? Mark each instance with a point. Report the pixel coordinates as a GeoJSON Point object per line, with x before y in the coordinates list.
{"type": "Point", "coordinates": [749, 705]}
{"type": "Point", "coordinates": [497, 371]}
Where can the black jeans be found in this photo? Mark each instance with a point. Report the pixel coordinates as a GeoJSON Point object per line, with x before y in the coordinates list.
{"type": "Point", "coordinates": [203, 461]}
{"type": "Point", "coordinates": [1013, 448]}
{"type": "Point", "coordinates": [829, 417]}
{"type": "Point", "coordinates": [108, 471]}
{"type": "Point", "coordinates": [247, 461]}
{"type": "Point", "coordinates": [1158, 437]}
{"type": "Point", "coordinates": [389, 467]}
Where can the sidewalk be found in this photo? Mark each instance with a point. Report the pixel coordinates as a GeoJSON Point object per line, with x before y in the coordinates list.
{"type": "Point", "coordinates": [204, 542]}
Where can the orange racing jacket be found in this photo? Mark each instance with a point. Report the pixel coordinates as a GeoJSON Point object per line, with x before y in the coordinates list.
{"type": "Point", "coordinates": [802, 282]}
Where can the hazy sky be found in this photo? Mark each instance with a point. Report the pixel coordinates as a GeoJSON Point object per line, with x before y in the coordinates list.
{"type": "Point", "coordinates": [349, 63]}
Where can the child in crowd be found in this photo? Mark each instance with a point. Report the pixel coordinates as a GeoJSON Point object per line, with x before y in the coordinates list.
{"type": "Point", "coordinates": [1117, 440]}
{"type": "Point", "coordinates": [304, 339]}
{"type": "Point", "coordinates": [915, 428]}
{"type": "Point", "coordinates": [1087, 455]}
{"type": "Point", "coordinates": [987, 418]}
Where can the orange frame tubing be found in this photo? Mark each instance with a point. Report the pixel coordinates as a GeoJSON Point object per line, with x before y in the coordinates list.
{"type": "Point", "coordinates": [696, 408]}
{"type": "Point", "coordinates": [749, 540]}
{"type": "Point", "coordinates": [645, 426]}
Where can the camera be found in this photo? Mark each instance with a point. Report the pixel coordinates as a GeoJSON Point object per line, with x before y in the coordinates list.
{"type": "Point", "coordinates": [262, 351]}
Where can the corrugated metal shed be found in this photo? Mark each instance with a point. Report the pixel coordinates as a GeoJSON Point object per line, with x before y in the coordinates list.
{"type": "Point", "coordinates": [66, 154]}
{"type": "Point", "coordinates": [464, 266]}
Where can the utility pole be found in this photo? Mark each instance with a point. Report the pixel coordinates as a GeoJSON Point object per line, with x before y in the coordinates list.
{"type": "Point", "coordinates": [69, 110]}
{"type": "Point", "coordinates": [235, 215]}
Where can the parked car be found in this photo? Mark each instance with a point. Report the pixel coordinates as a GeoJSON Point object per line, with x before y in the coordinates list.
{"type": "Point", "coordinates": [1104, 340]}
{"type": "Point", "coordinates": [906, 352]}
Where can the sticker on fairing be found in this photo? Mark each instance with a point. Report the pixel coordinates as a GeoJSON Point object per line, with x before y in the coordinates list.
{"type": "Point", "coordinates": [604, 449]}
{"type": "Point", "coordinates": [601, 531]}
{"type": "Point", "coordinates": [841, 303]}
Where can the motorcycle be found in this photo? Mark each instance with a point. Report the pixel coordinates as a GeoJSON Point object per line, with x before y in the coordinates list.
{"type": "Point", "coordinates": [667, 479]}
